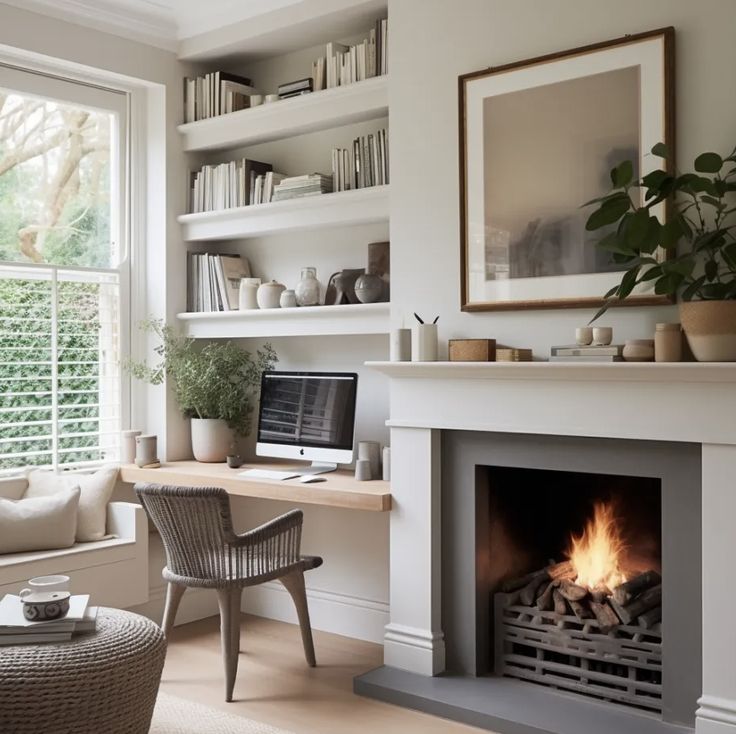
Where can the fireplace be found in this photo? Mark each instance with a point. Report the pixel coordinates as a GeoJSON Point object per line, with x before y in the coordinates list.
{"type": "Point", "coordinates": [573, 565]}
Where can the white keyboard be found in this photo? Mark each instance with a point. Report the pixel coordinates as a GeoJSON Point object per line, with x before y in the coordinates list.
{"type": "Point", "coordinates": [268, 474]}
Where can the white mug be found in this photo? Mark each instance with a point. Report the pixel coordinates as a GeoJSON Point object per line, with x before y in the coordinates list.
{"type": "Point", "coordinates": [256, 99]}
{"type": "Point", "coordinates": [46, 583]}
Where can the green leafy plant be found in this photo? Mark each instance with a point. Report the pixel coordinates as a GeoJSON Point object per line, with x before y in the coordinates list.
{"type": "Point", "coordinates": [698, 213]}
{"type": "Point", "coordinates": [218, 380]}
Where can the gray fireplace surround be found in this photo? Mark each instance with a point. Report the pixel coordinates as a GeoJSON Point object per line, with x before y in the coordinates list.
{"type": "Point", "coordinates": [468, 691]}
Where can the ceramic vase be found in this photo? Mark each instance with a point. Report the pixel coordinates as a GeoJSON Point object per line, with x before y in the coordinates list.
{"type": "Point", "coordinates": [369, 288]}
{"type": "Point", "coordinates": [308, 289]}
{"type": "Point", "coordinates": [710, 329]}
{"type": "Point", "coordinates": [211, 439]}
{"type": "Point", "coordinates": [248, 294]}
{"type": "Point", "coordinates": [269, 295]}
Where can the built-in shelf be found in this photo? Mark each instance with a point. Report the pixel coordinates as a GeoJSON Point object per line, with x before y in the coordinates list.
{"type": "Point", "coordinates": [329, 108]}
{"type": "Point", "coordinates": [340, 488]}
{"type": "Point", "coordinates": [295, 26]}
{"type": "Point", "coordinates": [361, 206]}
{"type": "Point", "coordinates": [572, 371]}
{"type": "Point", "coordinates": [353, 319]}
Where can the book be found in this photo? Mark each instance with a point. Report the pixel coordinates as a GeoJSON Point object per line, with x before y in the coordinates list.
{"type": "Point", "coordinates": [296, 86]}
{"type": "Point", "coordinates": [232, 269]}
{"type": "Point", "coordinates": [587, 358]}
{"type": "Point", "coordinates": [513, 354]}
{"type": "Point", "coordinates": [363, 164]}
{"type": "Point", "coordinates": [216, 93]}
{"type": "Point", "coordinates": [214, 281]}
{"type": "Point", "coordinates": [609, 350]}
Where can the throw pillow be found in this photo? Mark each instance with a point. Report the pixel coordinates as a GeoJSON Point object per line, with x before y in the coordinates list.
{"type": "Point", "coordinates": [95, 492]}
{"type": "Point", "coordinates": [39, 523]}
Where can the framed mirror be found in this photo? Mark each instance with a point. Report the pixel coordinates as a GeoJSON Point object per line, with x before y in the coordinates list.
{"type": "Point", "coordinates": [538, 138]}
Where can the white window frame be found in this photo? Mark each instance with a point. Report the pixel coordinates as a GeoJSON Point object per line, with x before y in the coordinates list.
{"type": "Point", "coordinates": [91, 94]}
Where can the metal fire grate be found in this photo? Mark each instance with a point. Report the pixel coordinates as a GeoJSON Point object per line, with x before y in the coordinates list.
{"type": "Point", "coordinates": [562, 651]}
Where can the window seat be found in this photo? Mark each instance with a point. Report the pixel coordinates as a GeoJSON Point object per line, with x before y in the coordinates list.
{"type": "Point", "coordinates": [113, 572]}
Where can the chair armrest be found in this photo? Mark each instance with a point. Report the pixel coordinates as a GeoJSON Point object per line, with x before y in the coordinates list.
{"type": "Point", "coordinates": [273, 528]}
{"type": "Point", "coordinates": [124, 519]}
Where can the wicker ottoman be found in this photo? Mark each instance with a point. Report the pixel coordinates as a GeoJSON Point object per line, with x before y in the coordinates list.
{"type": "Point", "coordinates": [103, 682]}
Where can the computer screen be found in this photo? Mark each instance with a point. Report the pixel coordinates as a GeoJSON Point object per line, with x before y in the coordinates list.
{"type": "Point", "coordinates": [307, 409]}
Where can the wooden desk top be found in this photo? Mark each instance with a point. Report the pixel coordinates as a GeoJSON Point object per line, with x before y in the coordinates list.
{"type": "Point", "coordinates": [340, 490]}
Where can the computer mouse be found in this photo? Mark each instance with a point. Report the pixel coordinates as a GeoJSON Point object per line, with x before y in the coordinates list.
{"type": "Point", "coordinates": [309, 478]}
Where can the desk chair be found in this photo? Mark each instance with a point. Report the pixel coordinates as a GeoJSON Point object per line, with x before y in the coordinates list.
{"type": "Point", "coordinates": [203, 550]}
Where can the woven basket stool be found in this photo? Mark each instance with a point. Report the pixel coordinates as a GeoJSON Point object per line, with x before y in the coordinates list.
{"type": "Point", "coordinates": [102, 682]}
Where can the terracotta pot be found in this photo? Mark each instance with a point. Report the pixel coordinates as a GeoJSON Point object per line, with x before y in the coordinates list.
{"type": "Point", "coordinates": [710, 329]}
{"type": "Point", "coordinates": [211, 439]}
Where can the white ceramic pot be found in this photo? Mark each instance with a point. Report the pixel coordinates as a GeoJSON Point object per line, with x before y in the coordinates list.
{"type": "Point", "coordinates": [307, 290]}
{"type": "Point", "coordinates": [211, 439]}
{"type": "Point", "coordinates": [269, 295]}
{"type": "Point", "coordinates": [710, 329]}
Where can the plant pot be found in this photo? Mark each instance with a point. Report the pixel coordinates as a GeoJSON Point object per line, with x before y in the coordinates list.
{"type": "Point", "coordinates": [710, 329]}
{"type": "Point", "coordinates": [211, 439]}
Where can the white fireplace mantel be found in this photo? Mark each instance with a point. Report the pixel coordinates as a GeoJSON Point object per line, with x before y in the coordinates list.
{"type": "Point", "coordinates": [684, 402]}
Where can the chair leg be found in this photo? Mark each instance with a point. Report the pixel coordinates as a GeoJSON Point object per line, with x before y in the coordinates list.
{"type": "Point", "coordinates": [229, 635]}
{"type": "Point", "coordinates": [174, 593]}
{"type": "Point", "coordinates": [294, 584]}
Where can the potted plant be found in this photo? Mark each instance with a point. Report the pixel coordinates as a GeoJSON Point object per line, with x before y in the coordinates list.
{"type": "Point", "coordinates": [216, 385]}
{"type": "Point", "coordinates": [703, 273]}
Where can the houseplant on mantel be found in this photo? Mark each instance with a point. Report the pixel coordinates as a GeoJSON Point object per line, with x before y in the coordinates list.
{"type": "Point", "coordinates": [216, 385]}
{"type": "Point", "coordinates": [701, 217]}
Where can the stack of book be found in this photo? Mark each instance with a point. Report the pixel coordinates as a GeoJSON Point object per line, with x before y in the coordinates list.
{"type": "Point", "coordinates": [215, 94]}
{"type": "Point", "coordinates": [295, 187]}
{"type": "Point", "coordinates": [225, 185]}
{"type": "Point", "coordinates": [343, 65]}
{"type": "Point", "coordinates": [264, 187]}
{"type": "Point", "coordinates": [362, 165]}
{"type": "Point", "coordinates": [295, 89]}
{"type": "Point", "coordinates": [213, 281]}
{"type": "Point", "coordinates": [513, 354]}
{"type": "Point", "coordinates": [15, 629]}
{"type": "Point", "coordinates": [592, 353]}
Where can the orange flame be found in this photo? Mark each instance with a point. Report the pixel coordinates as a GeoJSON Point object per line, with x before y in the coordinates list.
{"type": "Point", "coordinates": [597, 555]}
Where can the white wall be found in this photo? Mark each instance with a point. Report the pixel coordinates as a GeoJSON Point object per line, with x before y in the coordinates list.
{"type": "Point", "coordinates": [432, 42]}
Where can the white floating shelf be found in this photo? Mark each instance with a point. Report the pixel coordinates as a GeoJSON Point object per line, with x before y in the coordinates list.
{"type": "Point", "coordinates": [330, 108]}
{"type": "Point", "coordinates": [361, 206]}
{"type": "Point", "coordinates": [366, 318]}
{"type": "Point", "coordinates": [297, 25]}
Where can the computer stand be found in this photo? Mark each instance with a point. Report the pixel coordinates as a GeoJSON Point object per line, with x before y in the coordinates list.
{"type": "Point", "coordinates": [317, 467]}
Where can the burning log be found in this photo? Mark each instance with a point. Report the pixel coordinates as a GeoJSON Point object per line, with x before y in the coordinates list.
{"type": "Point", "coordinates": [580, 609]}
{"type": "Point", "coordinates": [650, 618]}
{"type": "Point", "coordinates": [572, 592]}
{"type": "Point", "coordinates": [607, 618]}
{"type": "Point", "coordinates": [545, 602]}
{"type": "Point", "coordinates": [626, 592]}
{"type": "Point", "coordinates": [559, 602]}
{"type": "Point", "coordinates": [522, 581]}
{"type": "Point", "coordinates": [554, 571]}
{"type": "Point", "coordinates": [649, 599]}
{"type": "Point", "coordinates": [529, 592]}
{"type": "Point", "coordinates": [559, 571]}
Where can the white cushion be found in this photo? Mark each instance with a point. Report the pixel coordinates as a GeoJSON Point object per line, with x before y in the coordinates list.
{"type": "Point", "coordinates": [39, 523]}
{"type": "Point", "coordinates": [95, 492]}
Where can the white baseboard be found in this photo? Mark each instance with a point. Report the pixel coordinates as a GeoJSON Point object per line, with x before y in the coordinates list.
{"type": "Point", "coordinates": [351, 616]}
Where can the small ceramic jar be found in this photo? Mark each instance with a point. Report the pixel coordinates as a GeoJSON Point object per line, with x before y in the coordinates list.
{"type": "Point", "coordinates": [369, 288]}
{"type": "Point", "coordinates": [583, 335]}
{"type": "Point", "coordinates": [602, 335]}
{"type": "Point", "coordinates": [248, 293]}
{"type": "Point", "coordinates": [668, 343]}
{"type": "Point", "coordinates": [639, 350]}
{"type": "Point", "coordinates": [308, 288]}
{"type": "Point", "coordinates": [288, 299]}
{"type": "Point", "coordinates": [269, 294]}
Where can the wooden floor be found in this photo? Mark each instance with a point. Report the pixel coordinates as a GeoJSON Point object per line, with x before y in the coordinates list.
{"type": "Point", "coordinates": [275, 686]}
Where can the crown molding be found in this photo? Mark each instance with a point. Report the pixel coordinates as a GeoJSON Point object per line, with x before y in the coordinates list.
{"type": "Point", "coordinates": [145, 22]}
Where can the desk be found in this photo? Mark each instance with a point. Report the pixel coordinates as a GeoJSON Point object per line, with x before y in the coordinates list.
{"type": "Point", "coordinates": [340, 490]}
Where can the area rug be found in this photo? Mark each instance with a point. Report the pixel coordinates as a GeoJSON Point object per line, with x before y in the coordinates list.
{"type": "Point", "coordinates": [178, 716]}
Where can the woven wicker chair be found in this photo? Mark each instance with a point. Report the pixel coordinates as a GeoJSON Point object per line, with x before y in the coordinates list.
{"type": "Point", "coordinates": [203, 550]}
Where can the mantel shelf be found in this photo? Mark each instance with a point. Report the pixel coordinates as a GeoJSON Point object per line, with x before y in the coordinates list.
{"type": "Point", "coordinates": [340, 489]}
{"type": "Point", "coordinates": [353, 319]}
{"type": "Point", "coordinates": [329, 108]}
{"type": "Point", "coordinates": [660, 372]}
{"type": "Point", "coordinates": [360, 206]}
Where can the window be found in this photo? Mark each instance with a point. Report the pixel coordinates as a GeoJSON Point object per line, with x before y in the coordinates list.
{"type": "Point", "coordinates": [63, 271]}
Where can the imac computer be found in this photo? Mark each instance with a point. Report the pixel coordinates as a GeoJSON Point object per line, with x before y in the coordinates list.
{"type": "Point", "coordinates": [306, 415]}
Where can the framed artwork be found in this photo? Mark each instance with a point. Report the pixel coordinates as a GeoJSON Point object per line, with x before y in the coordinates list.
{"type": "Point", "coordinates": [538, 139]}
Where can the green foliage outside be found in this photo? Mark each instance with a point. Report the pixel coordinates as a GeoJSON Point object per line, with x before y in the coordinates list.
{"type": "Point", "coordinates": [218, 380]}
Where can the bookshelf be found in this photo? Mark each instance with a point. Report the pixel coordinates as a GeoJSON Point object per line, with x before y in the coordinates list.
{"type": "Point", "coordinates": [344, 208]}
{"type": "Point", "coordinates": [346, 320]}
{"type": "Point", "coordinates": [329, 108]}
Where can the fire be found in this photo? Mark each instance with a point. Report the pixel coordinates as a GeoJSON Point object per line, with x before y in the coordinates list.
{"type": "Point", "coordinates": [598, 554]}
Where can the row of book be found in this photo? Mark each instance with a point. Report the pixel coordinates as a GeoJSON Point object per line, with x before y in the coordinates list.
{"type": "Point", "coordinates": [589, 353]}
{"type": "Point", "coordinates": [15, 629]}
{"type": "Point", "coordinates": [215, 94]}
{"type": "Point", "coordinates": [227, 185]}
{"type": "Point", "coordinates": [213, 281]}
{"type": "Point", "coordinates": [364, 164]}
{"type": "Point", "coordinates": [343, 65]}
{"type": "Point", "coordinates": [296, 187]}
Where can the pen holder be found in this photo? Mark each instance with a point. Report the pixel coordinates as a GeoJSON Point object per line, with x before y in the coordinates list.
{"type": "Point", "coordinates": [400, 345]}
{"type": "Point", "coordinates": [424, 343]}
